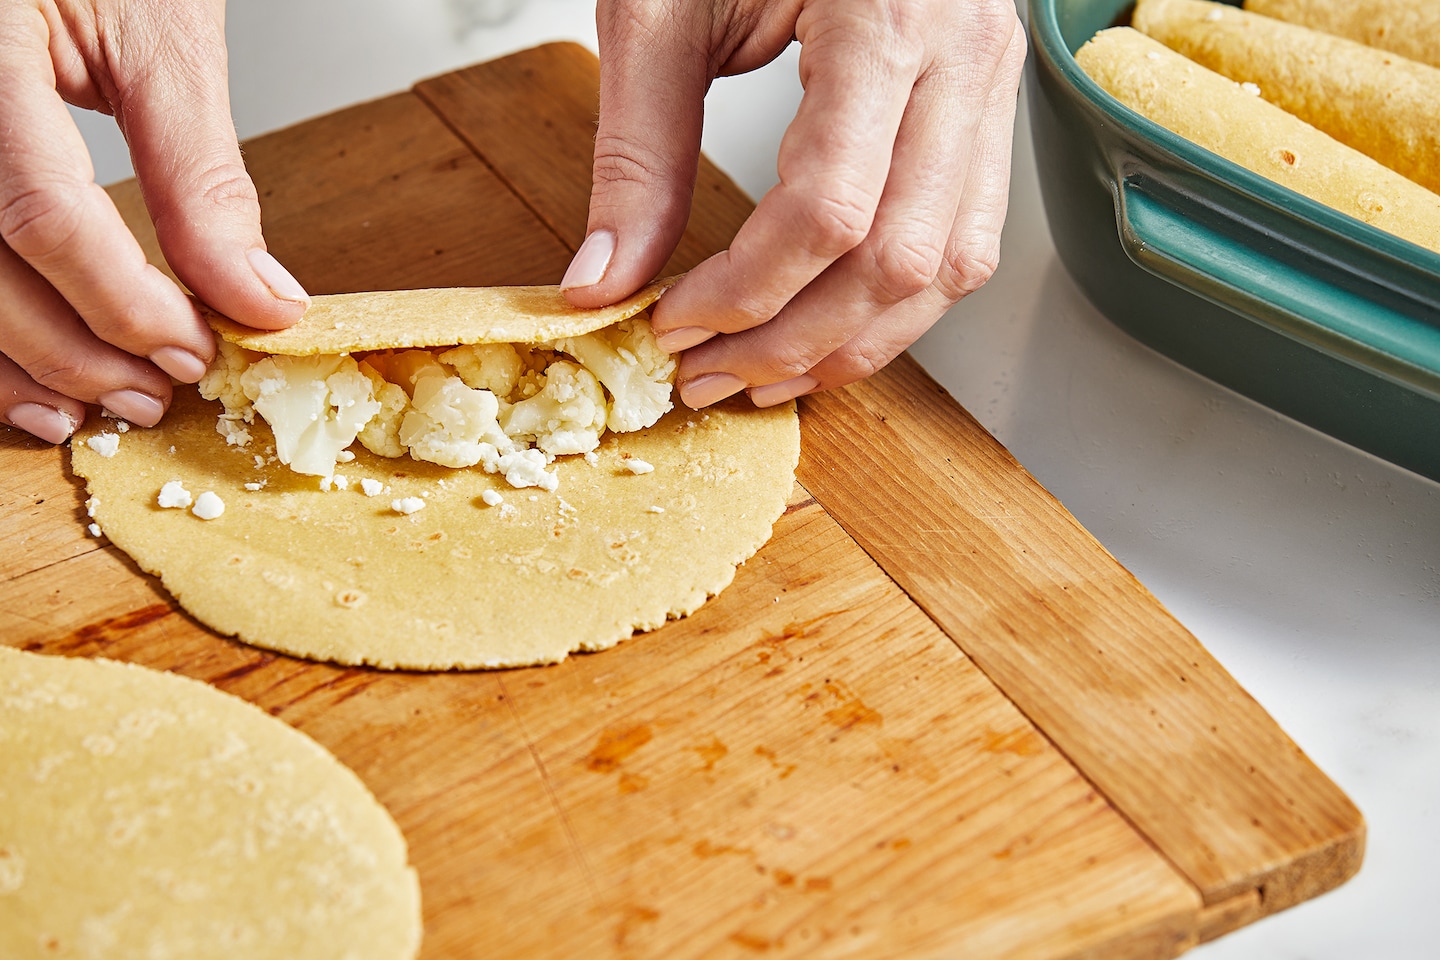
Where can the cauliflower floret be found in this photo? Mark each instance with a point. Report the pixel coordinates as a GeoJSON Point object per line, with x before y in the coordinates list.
{"type": "Point", "coordinates": [222, 380]}
{"type": "Point", "coordinates": [315, 406]}
{"type": "Point", "coordinates": [631, 365]}
{"type": "Point", "coordinates": [566, 417]}
{"type": "Point", "coordinates": [496, 367]}
{"type": "Point", "coordinates": [451, 424]}
{"type": "Point", "coordinates": [381, 435]}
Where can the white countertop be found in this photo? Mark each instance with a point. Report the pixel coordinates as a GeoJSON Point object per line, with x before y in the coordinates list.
{"type": "Point", "coordinates": [1312, 571]}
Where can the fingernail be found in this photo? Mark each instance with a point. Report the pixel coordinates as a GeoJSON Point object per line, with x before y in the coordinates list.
{"type": "Point", "coordinates": [134, 406]}
{"type": "Point", "coordinates": [47, 423]}
{"type": "Point", "coordinates": [673, 341]}
{"type": "Point", "coordinates": [710, 388]}
{"type": "Point", "coordinates": [770, 394]}
{"type": "Point", "coordinates": [179, 363]}
{"type": "Point", "coordinates": [276, 277]}
{"type": "Point", "coordinates": [591, 261]}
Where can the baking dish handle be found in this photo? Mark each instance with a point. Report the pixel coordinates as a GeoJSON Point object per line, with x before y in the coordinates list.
{"type": "Point", "coordinates": [1241, 265]}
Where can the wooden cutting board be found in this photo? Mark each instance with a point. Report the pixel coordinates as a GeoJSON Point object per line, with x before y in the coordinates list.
{"type": "Point", "coordinates": [932, 717]}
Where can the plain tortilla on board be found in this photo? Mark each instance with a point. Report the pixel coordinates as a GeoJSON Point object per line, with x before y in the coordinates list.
{"type": "Point", "coordinates": [1222, 116]}
{"type": "Point", "coordinates": [1382, 104]}
{"type": "Point", "coordinates": [144, 814]}
{"type": "Point", "coordinates": [341, 576]}
{"type": "Point", "coordinates": [1410, 28]}
{"type": "Point", "coordinates": [395, 319]}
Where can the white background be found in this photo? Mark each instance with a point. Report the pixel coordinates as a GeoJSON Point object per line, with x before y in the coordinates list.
{"type": "Point", "coordinates": [1310, 570]}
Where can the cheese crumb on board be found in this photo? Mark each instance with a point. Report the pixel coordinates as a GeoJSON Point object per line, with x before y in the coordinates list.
{"type": "Point", "coordinates": [208, 506]}
{"type": "Point", "coordinates": [105, 444]}
{"type": "Point", "coordinates": [492, 498]}
{"type": "Point", "coordinates": [637, 466]}
{"type": "Point", "coordinates": [173, 495]}
{"type": "Point", "coordinates": [407, 505]}
{"type": "Point", "coordinates": [94, 530]}
{"type": "Point", "coordinates": [371, 487]}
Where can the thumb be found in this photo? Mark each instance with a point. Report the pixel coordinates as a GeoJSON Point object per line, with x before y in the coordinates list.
{"type": "Point", "coordinates": [647, 147]}
{"type": "Point", "coordinates": [174, 108]}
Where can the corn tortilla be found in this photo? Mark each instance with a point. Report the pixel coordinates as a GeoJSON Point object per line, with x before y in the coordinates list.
{"type": "Point", "coordinates": [1381, 104]}
{"type": "Point", "coordinates": [337, 575]}
{"type": "Point", "coordinates": [1410, 28]}
{"type": "Point", "coordinates": [143, 814]}
{"type": "Point", "coordinates": [395, 319]}
{"type": "Point", "coordinates": [1220, 115]}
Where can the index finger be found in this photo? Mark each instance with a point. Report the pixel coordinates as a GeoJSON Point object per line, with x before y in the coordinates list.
{"type": "Point", "coordinates": [54, 215]}
{"type": "Point", "coordinates": [833, 163]}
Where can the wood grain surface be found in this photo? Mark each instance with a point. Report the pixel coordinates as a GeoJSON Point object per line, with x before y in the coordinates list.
{"type": "Point", "coordinates": [932, 717]}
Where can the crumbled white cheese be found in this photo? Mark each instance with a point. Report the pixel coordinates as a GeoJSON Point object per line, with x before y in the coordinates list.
{"type": "Point", "coordinates": [371, 487]}
{"type": "Point", "coordinates": [654, 509]}
{"type": "Point", "coordinates": [173, 495]}
{"type": "Point", "coordinates": [341, 481]}
{"type": "Point", "coordinates": [637, 466]}
{"type": "Point", "coordinates": [511, 409]}
{"type": "Point", "coordinates": [492, 498]}
{"type": "Point", "coordinates": [234, 430]}
{"type": "Point", "coordinates": [90, 506]}
{"type": "Point", "coordinates": [407, 505]}
{"type": "Point", "coordinates": [1251, 88]}
{"type": "Point", "coordinates": [104, 444]}
{"type": "Point", "coordinates": [94, 529]}
{"type": "Point", "coordinates": [208, 506]}
{"type": "Point", "coordinates": [252, 487]}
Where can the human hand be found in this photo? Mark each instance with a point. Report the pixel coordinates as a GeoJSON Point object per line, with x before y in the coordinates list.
{"type": "Point", "coordinates": [83, 318]}
{"type": "Point", "coordinates": [893, 181]}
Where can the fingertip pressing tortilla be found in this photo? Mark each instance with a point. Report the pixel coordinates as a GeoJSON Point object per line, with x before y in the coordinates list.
{"type": "Point", "coordinates": [1372, 100]}
{"type": "Point", "coordinates": [144, 814]}
{"type": "Point", "coordinates": [1222, 116]}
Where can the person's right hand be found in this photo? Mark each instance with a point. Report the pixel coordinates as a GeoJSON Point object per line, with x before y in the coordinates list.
{"type": "Point", "coordinates": [83, 318]}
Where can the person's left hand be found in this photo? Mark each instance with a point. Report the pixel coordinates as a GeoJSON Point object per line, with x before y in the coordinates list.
{"type": "Point", "coordinates": [893, 184]}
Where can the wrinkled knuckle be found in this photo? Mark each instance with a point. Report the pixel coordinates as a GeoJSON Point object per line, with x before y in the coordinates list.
{"type": "Point", "coordinates": [619, 160]}
{"type": "Point", "coordinates": [789, 360]}
{"type": "Point", "coordinates": [835, 223]}
{"type": "Point", "coordinates": [967, 268]}
{"type": "Point", "coordinates": [857, 360]}
{"type": "Point", "coordinates": [126, 325]}
{"type": "Point", "coordinates": [228, 187]}
{"type": "Point", "coordinates": [41, 218]}
{"type": "Point", "coordinates": [67, 372]}
{"type": "Point", "coordinates": [905, 268]}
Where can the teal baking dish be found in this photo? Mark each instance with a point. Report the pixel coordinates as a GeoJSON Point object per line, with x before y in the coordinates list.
{"type": "Point", "coordinates": [1317, 315]}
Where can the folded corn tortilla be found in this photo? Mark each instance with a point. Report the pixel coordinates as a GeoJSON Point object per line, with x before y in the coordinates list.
{"type": "Point", "coordinates": [1381, 104]}
{"type": "Point", "coordinates": [1410, 28]}
{"type": "Point", "coordinates": [395, 319]}
{"type": "Point", "coordinates": [144, 814]}
{"type": "Point", "coordinates": [1226, 118]}
{"type": "Point", "coordinates": [475, 573]}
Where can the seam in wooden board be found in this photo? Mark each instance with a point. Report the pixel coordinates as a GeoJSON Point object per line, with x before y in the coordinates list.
{"type": "Point", "coordinates": [572, 839]}
{"type": "Point", "coordinates": [476, 152]}
{"type": "Point", "coordinates": [94, 546]}
{"type": "Point", "coordinates": [1070, 761]}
